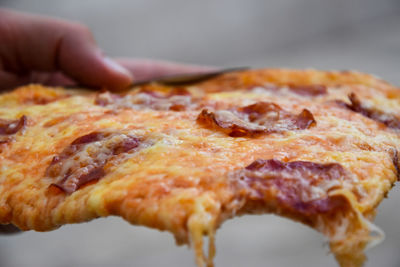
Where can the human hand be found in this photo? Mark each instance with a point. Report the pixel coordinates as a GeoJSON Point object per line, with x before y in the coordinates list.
{"type": "Point", "coordinates": [56, 52]}
{"type": "Point", "coordinates": [6, 229]}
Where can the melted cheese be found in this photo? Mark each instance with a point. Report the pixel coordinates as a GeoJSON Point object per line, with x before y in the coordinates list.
{"type": "Point", "coordinates": [181, 182]}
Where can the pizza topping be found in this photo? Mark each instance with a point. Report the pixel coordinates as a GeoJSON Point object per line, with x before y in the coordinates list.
{"type": "Point", "coordinates": [390, 120]}
{"type": "Point", "coordinates": [303, 90]}
{"type": "Point", "coordinates": [10, 127]}
{"type": "Point", "coordinates": [41, 98]}
{"type": "Point", "coordinates": [164, 93]}
{"type": "Point", "coordinates": [258, 118]}
{"type": "Point", "coordinates": [170, 102]}
{"type": "Point", "coordinates": [302, 186]}
{"type": "Point", "coordinates": [84, 160]}
{"type": "Point", "coordinates": [395, 158]}
{"type": "Point", "coordinates": [106, 98]}
{"type": "Point", "coordinates": [4, 140]}
{"type": "Point", "coordinates": [309, 90]}
{"type": "Point", "coordinates": [178, 101]}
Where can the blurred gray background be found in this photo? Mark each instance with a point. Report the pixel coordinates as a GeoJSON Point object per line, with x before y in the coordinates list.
{"type": "Point", "coordinates": [334, 34]}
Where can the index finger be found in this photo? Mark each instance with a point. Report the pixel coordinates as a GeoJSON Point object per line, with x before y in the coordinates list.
{"type": "Point", "coordinates": [8, 229]}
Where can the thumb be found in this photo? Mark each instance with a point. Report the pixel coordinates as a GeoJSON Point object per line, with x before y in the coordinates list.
{"type": "Point", "coordinates": [83, 61]}
{"type": "Point", "coordinates": [34, 43]}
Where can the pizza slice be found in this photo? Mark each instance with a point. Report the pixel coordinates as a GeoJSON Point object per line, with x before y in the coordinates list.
{"type": "Point", "coordinates": [320, 148]}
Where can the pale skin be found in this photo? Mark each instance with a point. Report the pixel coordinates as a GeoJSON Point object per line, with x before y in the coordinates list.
{"type": "Point", "coordinates": [57, 52]}
{"type": "Point", "coordinates": [51, 51]}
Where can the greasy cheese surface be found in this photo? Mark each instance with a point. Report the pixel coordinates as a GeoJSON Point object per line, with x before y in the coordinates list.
{"type": "Point", "coordinates": [181, 181]}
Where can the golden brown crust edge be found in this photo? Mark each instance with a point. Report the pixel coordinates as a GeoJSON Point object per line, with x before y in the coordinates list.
{"type": "Point", "coordinates": [293, 76]}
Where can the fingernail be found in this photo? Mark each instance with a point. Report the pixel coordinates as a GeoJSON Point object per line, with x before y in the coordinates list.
{"type": "Point", "coordinates": [117, 67]}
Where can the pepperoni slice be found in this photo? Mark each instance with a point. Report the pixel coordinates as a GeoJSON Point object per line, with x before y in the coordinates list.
{"type": "Point", "coordinates": [11, 127]}
{"type": "Point", "coordinates": [258, 118]}
{"type": "Point", "coordinates": [300, 186]}
{"type": "Point", "coordinates": [390, 120]}
{"type": "Point", "coordinates": [83, 161]}
{"type": "Point", "coordinates": [396, 162]}
{"type": "Point", "coordinates": [174, 101]}
{"type": "Point", "coordinates": [309, 90]}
